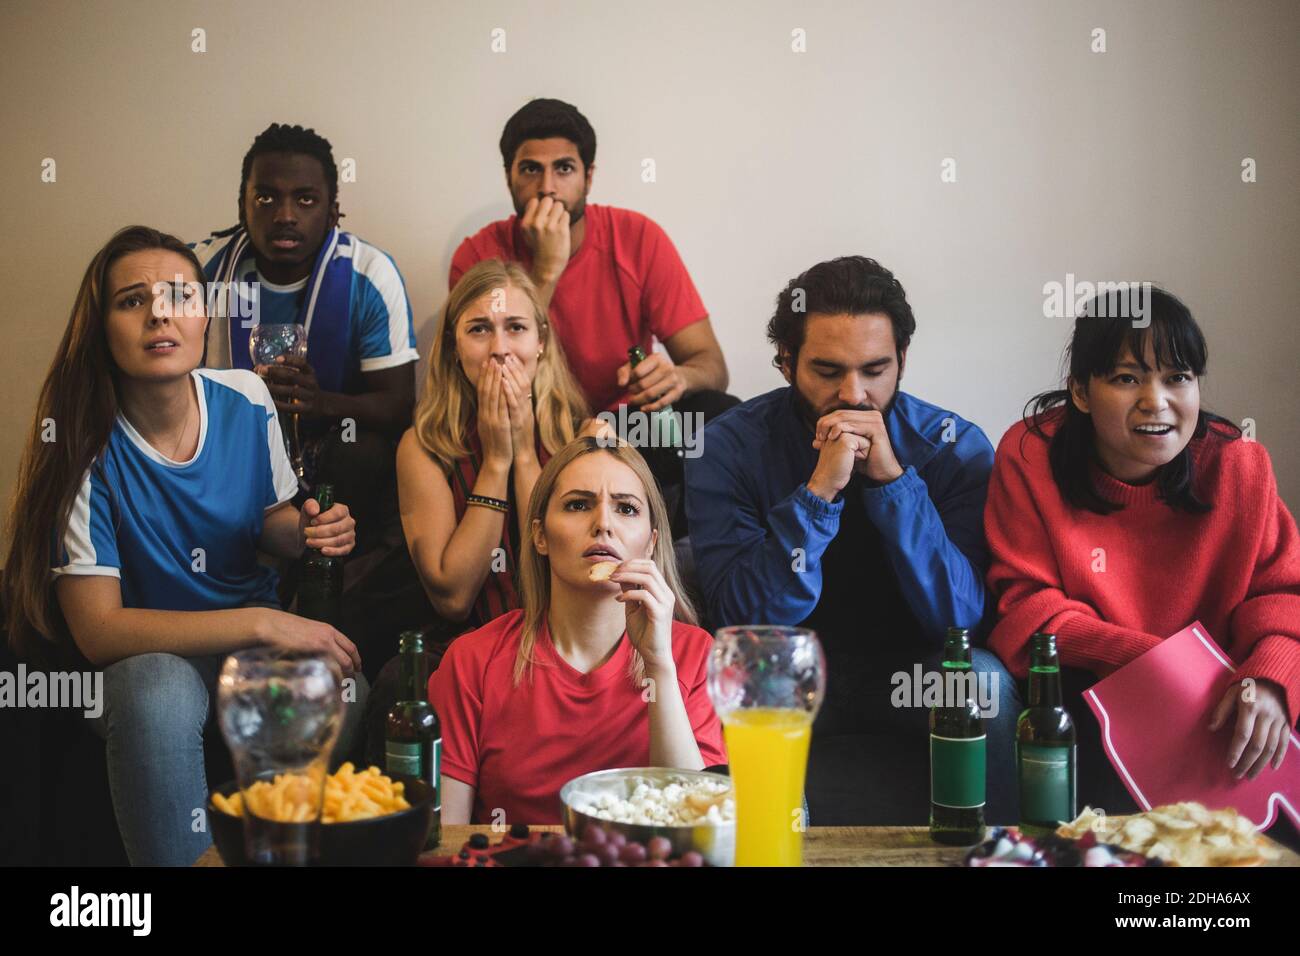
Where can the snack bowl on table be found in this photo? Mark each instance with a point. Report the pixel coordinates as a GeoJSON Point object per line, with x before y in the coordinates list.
{"type": "Point", "coordinates": [714, 840]}
{"type": "Point", "coordinates": [393, 839]}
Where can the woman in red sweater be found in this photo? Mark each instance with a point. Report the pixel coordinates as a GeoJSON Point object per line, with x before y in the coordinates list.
{"type": "Point", "coordinates": [587, 675]}
{"type": "Point", "coordinates": [1120, 511]}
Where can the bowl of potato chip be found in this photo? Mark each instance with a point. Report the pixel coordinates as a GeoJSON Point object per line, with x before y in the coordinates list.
{"type": "Point", "coordinates": [1179, 834]}
{"type": "Point", "coordinates": [369, 818]}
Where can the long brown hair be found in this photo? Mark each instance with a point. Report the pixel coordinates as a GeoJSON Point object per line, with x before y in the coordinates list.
{"type": "Point", "coordinates": [449, 399]}
{"type": "Point", "coordinates": [79, 400]}
{"type": "Point", "coordinates": [535, 567]}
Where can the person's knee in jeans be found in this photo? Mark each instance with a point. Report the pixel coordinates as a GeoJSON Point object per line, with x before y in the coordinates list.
{"type": "Point", "coordinates": [155, 709]}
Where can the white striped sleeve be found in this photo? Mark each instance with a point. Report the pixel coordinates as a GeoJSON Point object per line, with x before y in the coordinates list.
{"type": "Point", "coordinates": [284, 483]}
{"type": "Point", "coordinates": [89, 546]}
{"type": "Point", "coordinates": [387, 333]}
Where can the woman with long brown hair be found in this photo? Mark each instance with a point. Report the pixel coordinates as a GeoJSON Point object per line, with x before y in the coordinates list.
{"type": "Point", "coordinates": [591, 672]}
{"type": "Point", "coordinates": [145, 490]}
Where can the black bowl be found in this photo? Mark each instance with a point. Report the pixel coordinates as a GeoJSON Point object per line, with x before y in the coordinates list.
{"type": "Point", "coordinates": [394, 839]}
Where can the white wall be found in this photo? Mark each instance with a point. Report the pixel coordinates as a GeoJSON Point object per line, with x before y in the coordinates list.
{"type": "Point", "coordinates": [1120, 165]}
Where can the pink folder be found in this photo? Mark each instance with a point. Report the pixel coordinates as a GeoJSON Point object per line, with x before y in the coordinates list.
{"type": "Point", "coordinates": [1154, 714]}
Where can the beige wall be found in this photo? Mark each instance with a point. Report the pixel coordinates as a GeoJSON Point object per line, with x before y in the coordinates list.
{"type": "Point", "coordinates": [1110, 166]}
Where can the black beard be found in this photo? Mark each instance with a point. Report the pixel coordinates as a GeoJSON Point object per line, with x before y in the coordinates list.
{"type": "Point", "coordinates": [811, 415]}
{"type": "Point", "coordinates": [575, 214]}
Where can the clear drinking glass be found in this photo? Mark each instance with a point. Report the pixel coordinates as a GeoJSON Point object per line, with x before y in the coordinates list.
{"type": "Point", "coordinates": [767, 684]}
{"type": "Point", "coordinates": [280, 714]}
{"type": "Point", "coordinates": [266, 343]}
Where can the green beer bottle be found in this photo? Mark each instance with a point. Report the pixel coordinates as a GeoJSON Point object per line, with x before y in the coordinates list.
{"type": "Point", "coordinates": [412, 734]}
{"type": "Point", "coordinates": [957, 751]}
{"type": "Point", "coordinates": [320, 581]}
{"type": "Point", "coordinates": [1046, 761]}
{"type": "Point", "coordinates": [663, 422]}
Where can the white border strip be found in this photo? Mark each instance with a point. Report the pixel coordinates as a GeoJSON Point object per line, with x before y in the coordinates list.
{"type": "Point", "coordinates": [1110, 750]}
{"type": "Point", "coordinates": [1274, 798]}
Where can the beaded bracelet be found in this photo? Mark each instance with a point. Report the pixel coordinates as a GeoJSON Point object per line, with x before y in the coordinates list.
{"type": "Point", "coordinates": [496, 504]}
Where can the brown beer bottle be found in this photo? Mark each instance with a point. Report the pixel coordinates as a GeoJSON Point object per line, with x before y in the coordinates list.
{"type": "Point", "coordinates": [413, 734]}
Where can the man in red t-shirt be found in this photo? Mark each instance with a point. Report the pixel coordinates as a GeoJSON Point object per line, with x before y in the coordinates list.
{"type": "Point", "coordinates": [611, 277]}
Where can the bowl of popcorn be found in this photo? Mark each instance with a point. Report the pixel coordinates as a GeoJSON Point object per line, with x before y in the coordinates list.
{"type": "Point", "coordinates": [695, 811]}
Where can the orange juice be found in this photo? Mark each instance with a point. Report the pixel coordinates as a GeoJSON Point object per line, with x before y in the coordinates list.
{"type": "Point", "coordinates": [768, 752]}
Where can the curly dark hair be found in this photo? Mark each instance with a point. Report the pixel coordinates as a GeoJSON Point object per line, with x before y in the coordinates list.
{"type": "Point", "coordinates": [543, 119]}
{"type": "Point", "coordinates": [853, 284]}
{"type": "Point", "coordinates": [281, 138]}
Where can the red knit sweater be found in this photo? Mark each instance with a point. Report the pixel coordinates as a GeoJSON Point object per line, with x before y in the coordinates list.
{"type": "Point", "coordinates": [1113, 586]}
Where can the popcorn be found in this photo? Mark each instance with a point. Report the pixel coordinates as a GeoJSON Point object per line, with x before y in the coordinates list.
{"type": "Point", "coordinates": [689, 803]}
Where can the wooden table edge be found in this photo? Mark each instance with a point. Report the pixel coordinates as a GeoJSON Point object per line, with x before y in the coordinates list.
{"type": "Point", "coordinates": [823, 846]}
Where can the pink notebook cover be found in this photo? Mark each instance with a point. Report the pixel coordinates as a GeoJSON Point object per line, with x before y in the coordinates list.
{"type": "Point", "coordinates": [1154, 714]}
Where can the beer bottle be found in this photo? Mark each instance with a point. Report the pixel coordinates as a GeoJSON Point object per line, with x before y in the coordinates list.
{"type": "Point", "coordinates": [320, 581]}
{"type": "Point", "coordinates": [663, 422]}
{"type": "Point", "coordinates": [957, 750]}
{"type": "Point", "coordinates": [412, 734]}
{"type": "Point", "coordinates": [1045, 746]}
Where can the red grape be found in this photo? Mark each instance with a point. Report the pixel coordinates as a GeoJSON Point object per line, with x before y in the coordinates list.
{"type": "Point", "coordinates": [608, 855]}
{"type": "Point", "coordinates": [632, 854]}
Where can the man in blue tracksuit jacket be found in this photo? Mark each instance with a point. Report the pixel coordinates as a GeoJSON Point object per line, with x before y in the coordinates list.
{"type": "Point", "coordinates": [843, 504]}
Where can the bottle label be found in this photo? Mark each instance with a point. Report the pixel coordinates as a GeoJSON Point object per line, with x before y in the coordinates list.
{"type": "Point", "coordinates": [957, 771]}
{"type": "Point", "coordinates": [404, 758]}
{"type": "Point", "coordinates": [1046, 783]}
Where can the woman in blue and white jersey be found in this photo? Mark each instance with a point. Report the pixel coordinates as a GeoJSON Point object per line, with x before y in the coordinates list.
{"type": "Point", "coordinates": [146, 489]}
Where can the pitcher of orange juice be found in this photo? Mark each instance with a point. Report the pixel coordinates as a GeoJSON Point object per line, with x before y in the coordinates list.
{"type": "Point", "coordinates": [767, 684]}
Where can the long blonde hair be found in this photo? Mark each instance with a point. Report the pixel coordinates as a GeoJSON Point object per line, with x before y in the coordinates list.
{"type": "Point", "coordinates": [535, 568]}
{"type": "Point", "coordinates": [450, 400]}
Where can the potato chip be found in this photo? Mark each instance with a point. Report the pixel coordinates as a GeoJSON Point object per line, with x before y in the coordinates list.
{"type": "Point", "coordinates": [1182, 834]}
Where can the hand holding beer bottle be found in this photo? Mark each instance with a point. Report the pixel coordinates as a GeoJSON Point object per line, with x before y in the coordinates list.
{"type": "Point", "coordinates": [329, 536]}
{"type": "Point", "coordinates": [653, 381]}
{"type": "Point", "coordinates": [327, 525]}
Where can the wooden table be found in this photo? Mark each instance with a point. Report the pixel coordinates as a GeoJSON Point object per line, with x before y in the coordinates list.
{"type": "Point", "coordinates": [823, 846]}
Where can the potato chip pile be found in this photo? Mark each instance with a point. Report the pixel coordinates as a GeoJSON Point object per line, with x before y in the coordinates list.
{"type": "Point", "coordinates": [1182, 834]}
{"type": "Point", "coordinates": [348, 796]}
